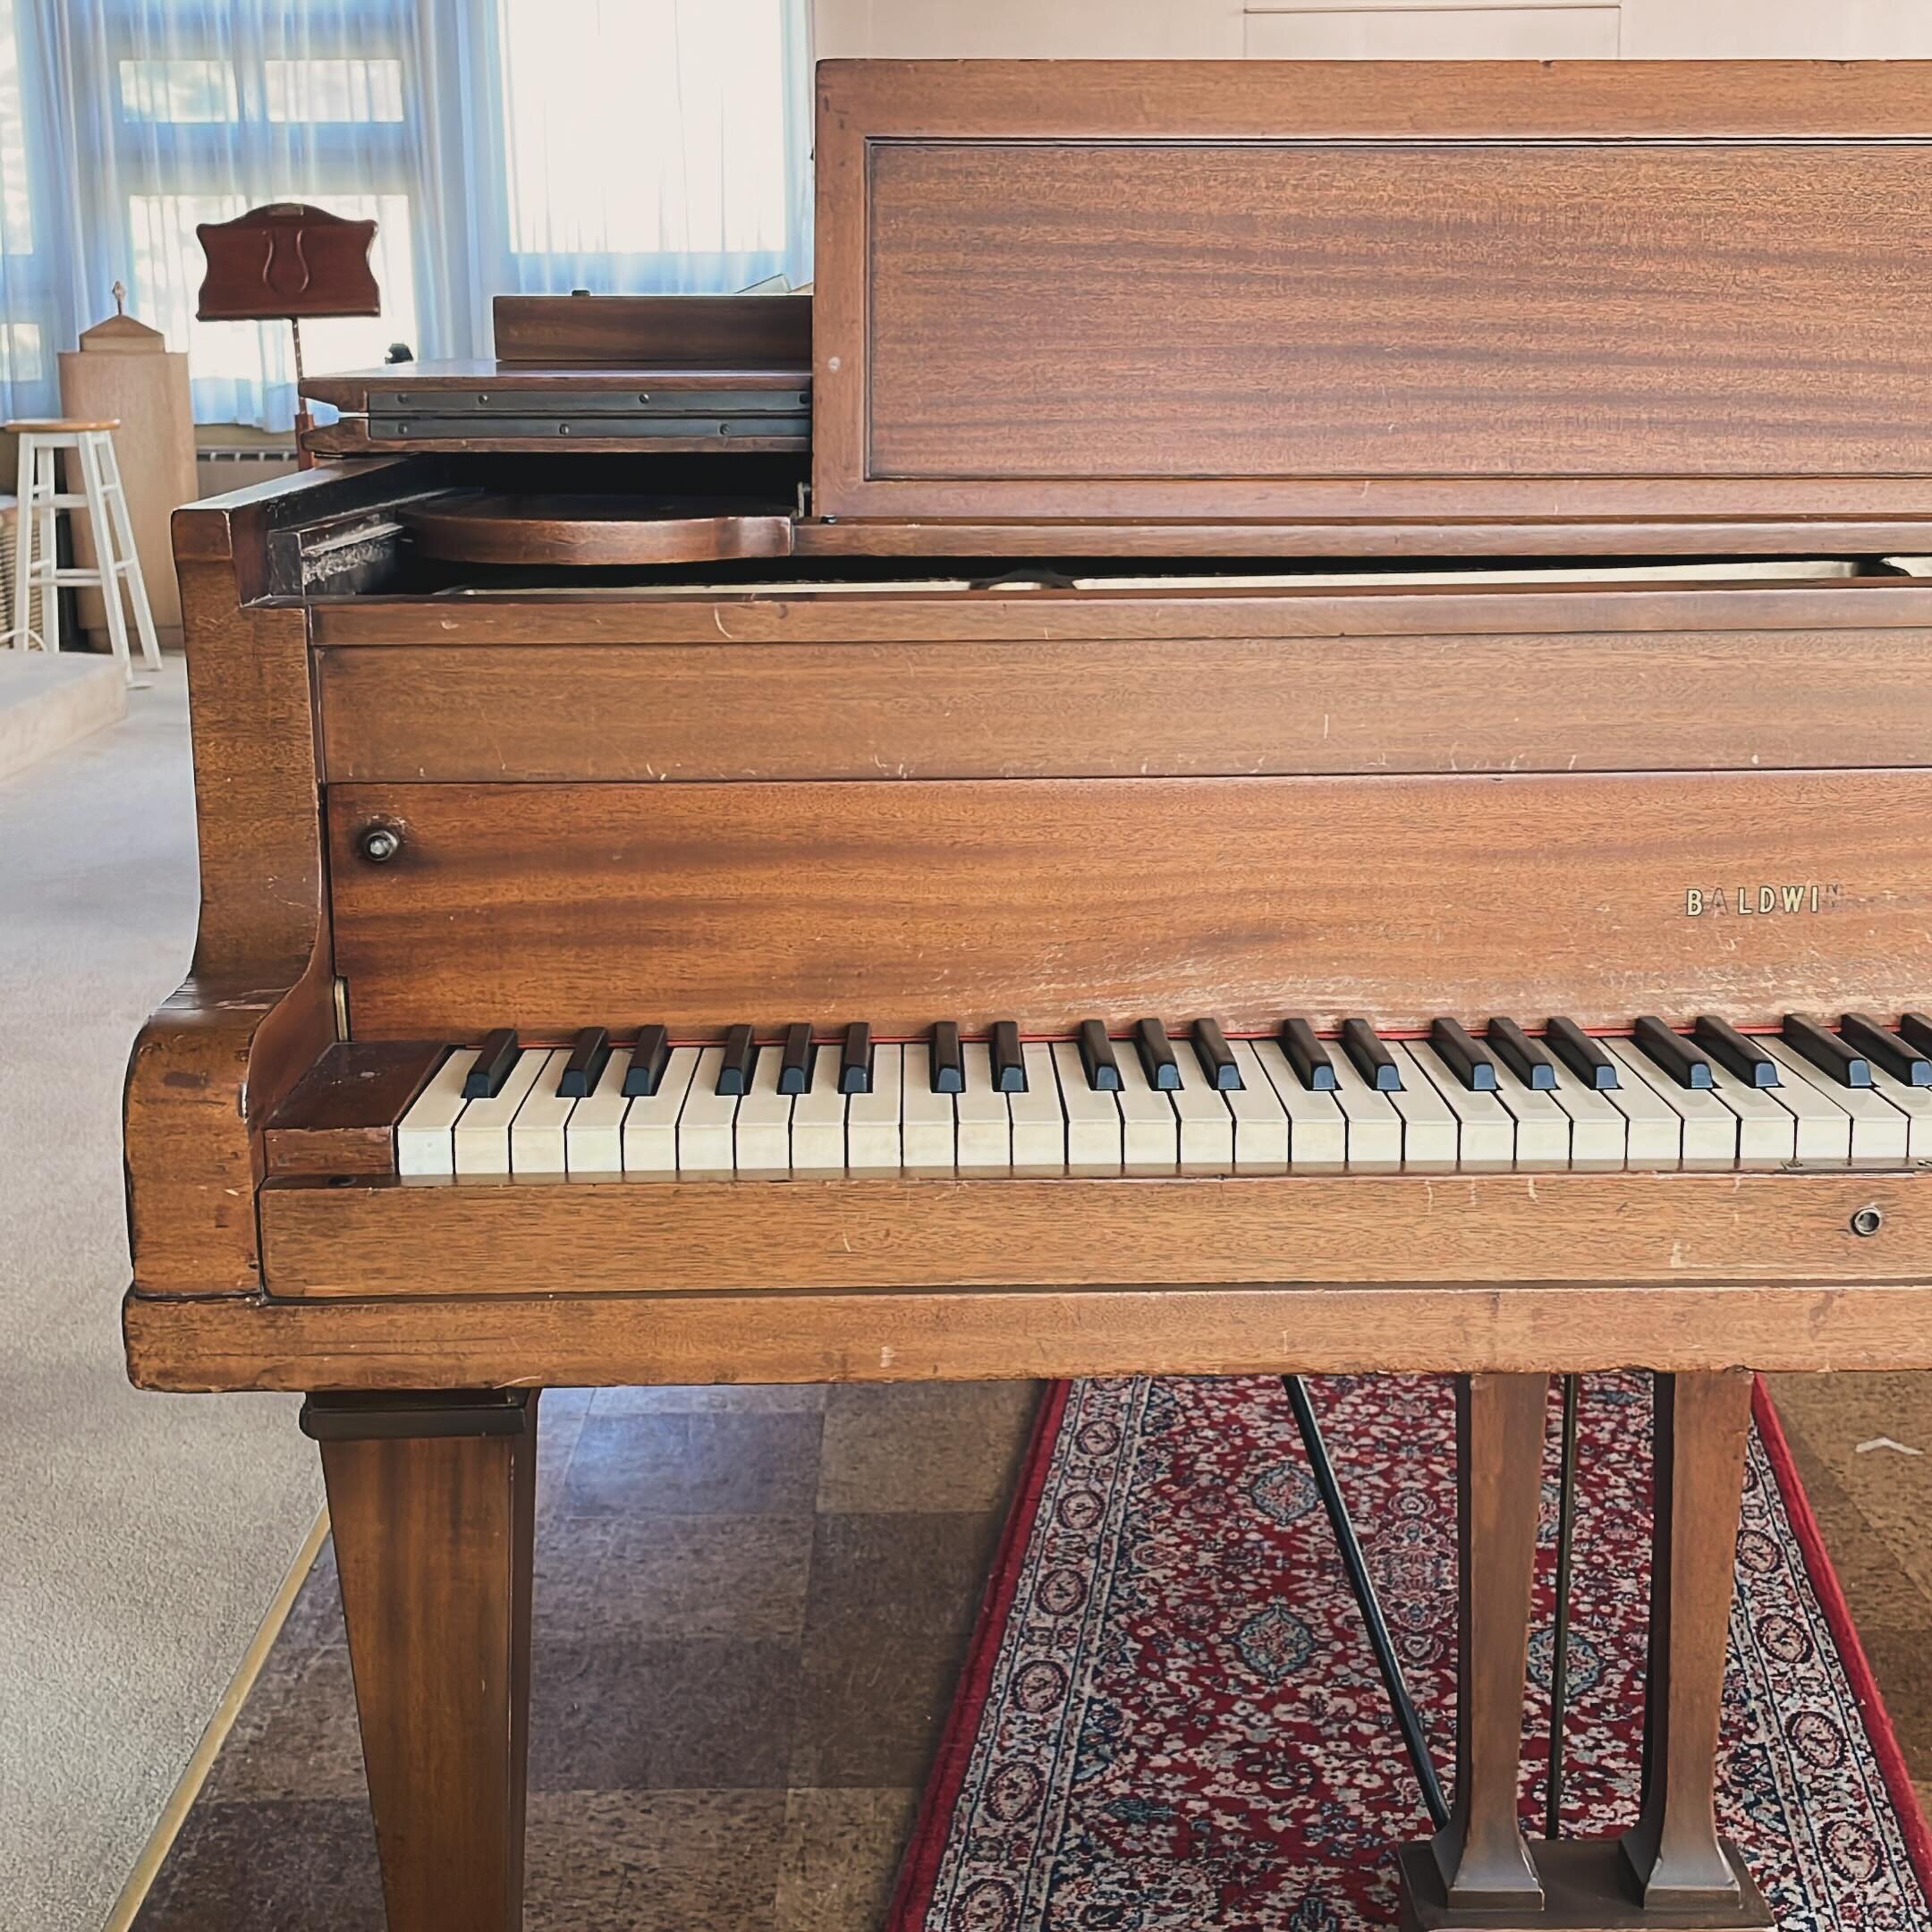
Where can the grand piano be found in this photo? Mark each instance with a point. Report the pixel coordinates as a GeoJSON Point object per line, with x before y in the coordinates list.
{"type": "Point", "coordinates": [1284, 728]}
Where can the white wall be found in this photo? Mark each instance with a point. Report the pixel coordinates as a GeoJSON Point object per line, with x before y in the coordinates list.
{"type": "Point", "coordinates": [1370, 30]}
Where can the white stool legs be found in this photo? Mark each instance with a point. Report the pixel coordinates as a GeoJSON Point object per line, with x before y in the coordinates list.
{"type": "Point", "coordinates": [116, 567]}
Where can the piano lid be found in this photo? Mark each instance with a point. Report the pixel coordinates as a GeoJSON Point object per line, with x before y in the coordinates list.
{"type": "Point", "coordinates": [1347, 291]}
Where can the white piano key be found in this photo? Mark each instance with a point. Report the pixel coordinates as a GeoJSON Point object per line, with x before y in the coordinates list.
{"type": "Point", "coordinates": [1317, 1129]}
{"type": "Point", "coordinates": [1599, 1133]}
{"type": "Point", "coordinates": [1093, 1120]}
{"type": "Point", "coordinates": [1879, 1132]}
{"type": "Point", "coordinates": [593, 1142]}
{"type": "Point", "coordinates": [761, 1129]}
{"type": "Point", "coordinates": [1655, 1127]}
{"type": "Point", "coordinates": [706, 1149]}
{"type": "Point", "coordinates": [651, 1127]}
{"type": "Point", "coordinates": [1431, 1133]}
{"type": "Point", "coordinates": [1375, 1129]}
{"type": "Point", "coordinates": [1486, 1130]}
{"type": "Point", "coordinates": [1261, 1124]}
{"type": "Point", "coordinates": [872, 1145]}
{"type": "Point", "coordinates": [1542, 1128]}
{"type": "Point", "coordinates": [818, 1121]}
{"type": "Point", "coordinates": [425, 1136]}
{"type": "Point", "coordinates": [1823, 1128]}
{"type": "Point", "coordinates": [1201, 1112]}
{"type": "Point", "coordinates": [1711, 1129]}
{"type": "Point", "coordinates": [1150, 1136]}
{"type": "Point", "coordinates": [1038, 1121]}
{"type": "Point", "coordinates": [928, 1128]}
{"type": "Point", "coordinates": [537, 1133]}
{"type": "Point", "coordinates": [1768, 1133]}
{"type": "Point", "coordinates": [1915, 1103]}
{"type": "Point", "coordinates": [482, 1135]}
{"type": "Point", "coordinates": [984, 1136]}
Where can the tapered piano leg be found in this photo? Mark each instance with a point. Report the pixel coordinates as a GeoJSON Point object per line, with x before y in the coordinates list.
{"type": "Point", "coordinates": [432, 1498]}
{"type": "Point", "coordinates": [1673, 1853]}
{"type": "Point", "coordinates": [1481, 1853]}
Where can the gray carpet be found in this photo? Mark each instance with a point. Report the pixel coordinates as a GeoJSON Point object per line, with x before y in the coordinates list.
{"type": "Point", "coordinates": [141, 1537]}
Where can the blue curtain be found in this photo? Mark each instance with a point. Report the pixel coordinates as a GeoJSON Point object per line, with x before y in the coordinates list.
{"type": "Point", "coordinates": [500, 145]}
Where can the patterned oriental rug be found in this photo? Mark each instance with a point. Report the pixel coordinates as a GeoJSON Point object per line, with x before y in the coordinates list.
{"type": "Point", "coordinates": [1171, 1719]}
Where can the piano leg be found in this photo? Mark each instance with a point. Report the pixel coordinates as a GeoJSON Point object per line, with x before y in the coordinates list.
{"type": "Point", "coordinates": [1702, 1424]}
{"type": "Point", "coordinates": [1479, 1874]}
{"type": "Point", "coordinates": [432, 1499]}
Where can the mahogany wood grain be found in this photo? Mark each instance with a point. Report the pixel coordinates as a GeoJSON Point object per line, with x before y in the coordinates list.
{"type": "Point", "coordinates": [1703, 1422]}
{"type": "Point", "coordinates": [558, 330]}
{"type": "Point", "coordinates": [619, 1337]}
{"type": "Point", "coordinates": [939, 708]}
{"type": "Point", "coordinates": [554, 907]}
{"type": "Point", "coordinates": [215, 1061]}
{"type": "Point", "coordinates": [1280, 292]}
{"type": "Point", "coordinates": [433, 1538]}
{"type": "Point", "coordinates": [351, 438]}
{"type": "Point", "coordinates": [1481, 1853]}
{"type": "Point", "coordinates": [1435, 535]}
{"type": "Point", "coordinates": [341, 1118]}
{"type": "Point", "coordinates": [469, 1237]}
{"type": "Point", "coordinates": [1520, 607]}
{"type": "Point", "coordinates": [575, 532]}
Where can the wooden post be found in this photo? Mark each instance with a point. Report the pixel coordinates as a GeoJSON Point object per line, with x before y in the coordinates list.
{"type": "Point", "coordinates": [1480, 1852]}
{"type": "Point", "coordinates": [432, 1499]}
{"type": "Point", "coordinates": [1702, 1425]}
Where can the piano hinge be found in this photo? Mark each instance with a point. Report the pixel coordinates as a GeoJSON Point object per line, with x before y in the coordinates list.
{"type": "Point", "coordinates": [342, 1007]}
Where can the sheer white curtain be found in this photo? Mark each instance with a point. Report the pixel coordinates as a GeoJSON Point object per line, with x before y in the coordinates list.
{"type": "Point", "coordinates": [501, 145]}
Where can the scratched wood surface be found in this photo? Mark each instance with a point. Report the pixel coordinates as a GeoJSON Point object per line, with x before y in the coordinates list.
{"type": "Point", "coordinates": [552, 906]}
{"type": "Point", "coordinates": [1179, 706]}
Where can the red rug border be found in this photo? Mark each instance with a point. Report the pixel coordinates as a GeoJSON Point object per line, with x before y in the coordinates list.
{"type": "Point", "coordinates": [918, 1872]}
{"type": "Point", "coordinates": [1879, 1731]}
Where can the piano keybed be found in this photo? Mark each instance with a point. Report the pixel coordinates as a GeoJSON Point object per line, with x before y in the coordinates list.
{"type": "Point", "coordinates": [1556, 1100]}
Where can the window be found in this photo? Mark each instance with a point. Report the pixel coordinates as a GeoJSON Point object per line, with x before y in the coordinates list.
{"type": "Point", "coordinates": [26, 369]}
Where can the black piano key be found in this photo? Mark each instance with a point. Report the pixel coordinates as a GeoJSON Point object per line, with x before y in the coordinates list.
{"type": "Point", "coordinates": [795, 1056]}
{"type": "Point", "coordinates": [1373, 1061]}
{"type": "Point", "coordinates": [1916, 1029]}
{"type": "Point", "coordinates": [1469, 1063]}
{"type": "Point", "coordinates": [1157, 1056]}
{"type": "Point", "coordinates": [948, 1066]}
{"type": "Point", "coordinates": [1211, 1047]}
{"type": "Point", "coordinates": [740, 1050]}
{"type": "Point", "coordinates": [493, 1061]}
{"type": "Point", "coordinates": [1686, 1063]}
{"type": "Point", "coordinates": [1861, 1032]}
{"type": "Point", "coordinates": [1826, 1052]}
{"type": "Point", "coordinates": [1096, 1055]}
{"type": "Point", "coordinates": [585, 1067]}
{"type": "Point", "coordinates": [1521, 1054]}
{"type": "Point", "coordinates": [648, 1059]}
{"type": "Point", "coordinates": [1744, 1055]}
{"type": "Point", "coordinates": [1580, 1054]}
{"type": "Point", "coordinates": [855, 1059]}
{"type": "Point", "coordinates": [1307, 1056]}
{"type": "Point", "coordinates": [1009, 1065]}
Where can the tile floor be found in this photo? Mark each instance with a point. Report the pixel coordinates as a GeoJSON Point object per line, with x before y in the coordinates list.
{"type": "Point", "coordinates": [751, 1605]}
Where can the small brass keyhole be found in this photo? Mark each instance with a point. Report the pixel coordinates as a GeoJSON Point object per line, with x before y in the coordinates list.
{"type": "Point", "coordinates": [379, 843]}
{"type": "Point", "coordinates": [1867, 1221]}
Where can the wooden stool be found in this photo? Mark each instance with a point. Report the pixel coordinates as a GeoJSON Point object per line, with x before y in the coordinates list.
{"type": "Point", "coordinates": [37, 553]}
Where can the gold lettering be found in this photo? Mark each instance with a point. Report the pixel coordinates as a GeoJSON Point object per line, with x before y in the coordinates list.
{"type": "Point", "coordinates": [1693, 902]}
{"type": "Point", "coordinates": [1743, 901]}
{"type": "Point", "coordinates": [1794, 898]}
{"type": "Point", "coordinates": [1767, 898]}
{"type": "Point", "coordinates": [1718, 902]}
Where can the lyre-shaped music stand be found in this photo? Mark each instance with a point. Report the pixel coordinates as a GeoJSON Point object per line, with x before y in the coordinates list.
{"type": "Point", "coordinates": [285, 262]}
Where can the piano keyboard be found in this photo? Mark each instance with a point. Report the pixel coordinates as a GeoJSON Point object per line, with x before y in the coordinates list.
{"type": "Point", "coordinates": [1145, 1105]}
